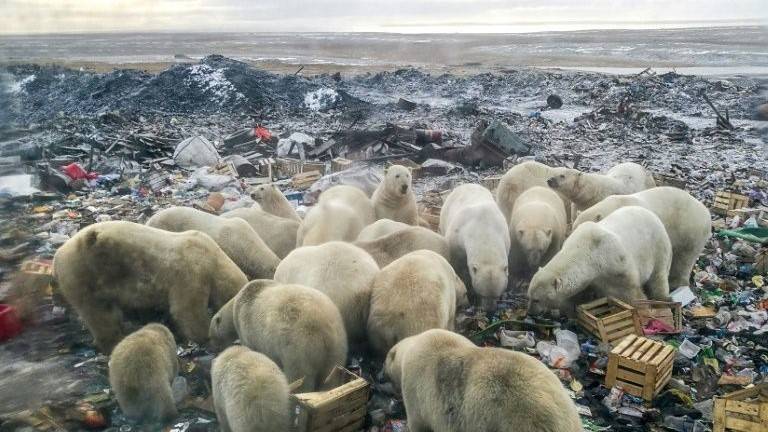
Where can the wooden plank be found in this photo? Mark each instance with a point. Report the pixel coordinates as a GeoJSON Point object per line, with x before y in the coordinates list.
{"type": "Point", "coordinates": [665, 352]}
{"type": "Point", "coordinates": [649, 386]}
{"type": "Point", "coordinates": [632, 348]}
{"type": "Point", "coordinates": [340, 422]}
{"type": "Point", "coordinates": [613, 366]}
{"type": "Point", "coordinates": [651, 351]}
{"type": "Point", "coordinates": [752, 409]}
{"type": "Point", "coordinates": [624, 344]}
{"type": "Point", "coordinates": [617, 317]}
{"type": "Point", "coordinates": [619, 325]}
{"type": "Point", "coordinates": [662, 380]}
{"type": "Point", "coordinates": [631, 388]}
{"type": "Point", "coordinates": [620, 334]}
{"type": "Point", "coordinates": [621, 304]}
{"type": "Point", "coordinates": [594, 303]}
{"type": "Point", "coordinates": [743, 425]}
{"type": "Point", "coordinates": [642, 350]}
{"type": "Point", "coordinates": [631, 364]}
{"type": "Point", "coordinates": [602, 310]}
{"type": "Point", "coordinates": [718, 415]}
{"type": "Point", "coordinates": [627, 375]}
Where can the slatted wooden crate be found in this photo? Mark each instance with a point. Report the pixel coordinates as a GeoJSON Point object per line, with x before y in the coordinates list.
{"type": "Point", "coordinates": [287, 167]}
{"type": "Point", "coordinates": [341, 409]}
{"type": "Point", "coordinates": [641, 366]}
{"type": "Point", "coordinates": [725, 201]}
{"type": "Point", "coordinates": [668, 180]}
{"type": "Point", "coordinates": [609, 319]}
{"type": "Point", "coordinates": [304, 180]}
{"type": "Point", "coordinates": [670, 313]}
{"type": "Point", "coordinates": [340, 164]}
{"type": "Point", "coordinates": [742, 411]}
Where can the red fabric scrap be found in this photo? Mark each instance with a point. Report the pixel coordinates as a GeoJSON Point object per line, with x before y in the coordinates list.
{"type": "Point", "coordinates": [76, 172]}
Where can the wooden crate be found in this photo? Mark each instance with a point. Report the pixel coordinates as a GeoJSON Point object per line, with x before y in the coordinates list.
{"type": "Point", "coordinates": [491, 182]}
{"type": "Point", "coordinates": [743, 410]}
{"type": "Point", "coordinates": [725, 201]}
{"type": "Point", "coordinates": [340, 409]}
{"type": "Point", "coordinates": [641, 366]}
{"type": "Point", "coordinates": [668, 180]}
{"type": "Point", "coordinates": [304, 180]}
{"type": "Point", "coordinates": [416, 171]}
{"type": "Point", "coordinates": [287, 167]}
{"type": "Point", "coordinates": [340, 164]}
{"type": "Point", "coordinates": [670, 313]}
{"type": "Point", "coordinates": [609, 319]}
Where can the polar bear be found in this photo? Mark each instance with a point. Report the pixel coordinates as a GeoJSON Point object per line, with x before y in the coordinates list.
{"type": "Point", "coordinates": [142, 368]}
{"type": "Point", "coordinates": [394, 198]}
{"type": "Point", "coordinates": [298, 327]}
{"type": "Point", "coordinates": [390, 247]}
{"type": "Point", "coordinates": [111, 267]}
{"type": "Point", "coordinates": [520, 178]}
{"type": "Point", "coordinates": [626, 255]}
{"type": "Point", "coordinates": [537, 228]}
{"type": "Point", "coordinates": [450, 385]}
{"type": "Point", "coordinates": [687, 221]}
{"type": "Point", "coordinates": [380, 228]}
{"type": "Point", "coordinates": [586, 189]}
{"type": "Point", "coordinates": [235, 237]}
{"type": "Point", "coordinates": [340, 270]}
{"type": "Point", "coordinates": [278, 233]}
{"type": "Point", "coordinates": [478, 238]}
{"type": "Point", "coordinates": [417, 292]}
{"type": "Point", "coordinates": [271, 200]}
{"type": "Point", "coordinates": [340, 214]}
{"type": "Point", "coordinates": [250, 392]}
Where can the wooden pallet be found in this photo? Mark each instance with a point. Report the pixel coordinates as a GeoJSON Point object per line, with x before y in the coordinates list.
{"type": "Point", "coordinates": [725, 201]}
{"type": "Point", "coordinates": [287, 167]}
{"type": "Point", "coordinates": [669, 312]}
{"type": "Point", "coordinates": [609, 319]}
{"type": "Point", "coordinates": [742, 411]}
{"type": "Point", "coordinates": [340, 409]}
{"type": "Point", "coordinates": [641, 366]}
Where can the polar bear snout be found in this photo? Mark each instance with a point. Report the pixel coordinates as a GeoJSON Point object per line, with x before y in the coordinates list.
{"type": "Point", "coordinates": [404, 189]}
{"type": "Point", "coordinates": [552, 182]}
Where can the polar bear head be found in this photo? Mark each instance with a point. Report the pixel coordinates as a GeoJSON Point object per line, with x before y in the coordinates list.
{"type": "Point", "coordinates": [544, 292]}
{"type": "Point", "coordinates": [535, 242]}
{"type": "Point", "coordinates": [489, 279]}
{"type": "Point", "coordinates": [397, 180]}
{"type": "Point", "coordinates": [564, 179]}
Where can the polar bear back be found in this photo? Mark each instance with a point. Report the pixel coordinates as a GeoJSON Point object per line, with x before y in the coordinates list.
{"type": "Point", "coordinates": [633, 177]}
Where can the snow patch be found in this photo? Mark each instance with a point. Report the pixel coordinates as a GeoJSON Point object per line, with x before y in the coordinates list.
{"type": "Point", "coordinates": [214, 83]}
{"type": "Point", "coordinates": [321, 99]}
{"type": "Point", "coordinates": [18, 86]}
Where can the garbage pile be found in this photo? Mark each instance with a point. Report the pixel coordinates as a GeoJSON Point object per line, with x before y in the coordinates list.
{"type": "Point", "coordinates": [86, 148]}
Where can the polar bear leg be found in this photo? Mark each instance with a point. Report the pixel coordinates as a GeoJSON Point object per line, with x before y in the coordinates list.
{"type": "Point", "coordinates": [104, 322]}
{"type": "Point", "coordinates": [190, 314]}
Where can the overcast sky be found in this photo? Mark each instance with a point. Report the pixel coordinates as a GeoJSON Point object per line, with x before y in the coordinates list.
{"type": "Point", "coordinates": [413, 16]}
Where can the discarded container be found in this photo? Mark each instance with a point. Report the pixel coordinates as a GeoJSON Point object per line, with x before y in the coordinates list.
{"type": "Point", "coordinates": [425, 136]}
{"type": "Point", "coordinates": [516, 339]}
{"type": "Point", "coordinates": [340, 409]}
{"type": "Point", "coordinates": [500, 136]}
{"type": "Point", "coordinates": [670, 313]}
{"type": "Point", "coordinates": [689, 349]}
{"type": "Point", "coordinates": [742, 411]}
{"type": "Point", "coordinates": [682, 295]}
{"type": "Point", "coordinates": [10, 324]}
{"type": "Point", "coordinates": [554, 101]}
{"type": "Point", "coordinates": [641, 366]}
{"type": "Point", "coordinates": [194, 152]}
{"type": "Point", "coordinates": [609, 318]}
{"type": "Point", "coordinates": [568, 341]}
{"type": "Point", "coordinates": [725, 201]}
{"type": "Point", "coordinates": [406, 105]}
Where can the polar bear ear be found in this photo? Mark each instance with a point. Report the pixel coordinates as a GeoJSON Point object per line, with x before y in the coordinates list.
{"type": "Point", "coordinates": [558, 284]}
{"type": "Point", "coordinates": [386, 170]}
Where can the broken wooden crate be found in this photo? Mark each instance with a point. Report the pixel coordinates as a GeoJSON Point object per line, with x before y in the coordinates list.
{"type": "Point", "coordinates": [340, 164]}
{"type": "Point", "coordinates": [742, 411]}
{"type": "Point", "coordinates": [641, 366]}
{"type": "Point", "coordinates": [670, 313]}
{"type": "Point", "coordinates": [668, 180]}
{"type": "Point", "coordinates": [609, 319]}
{"type": "Point", "coordinates": [340, 409]}
{"type": "Point", "coordinates": [726, 201]}
{"type": "Point", "coordinates": [304, 180]}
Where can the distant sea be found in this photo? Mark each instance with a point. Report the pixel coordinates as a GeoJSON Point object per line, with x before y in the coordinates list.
{"type": "Point", "coordinates": [724, 49]}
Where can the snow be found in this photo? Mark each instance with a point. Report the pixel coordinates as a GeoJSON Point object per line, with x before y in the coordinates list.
{"type": "Point", "coordinates": [321, 99]}
{"type": "Point", "coordinates": [214, 83]}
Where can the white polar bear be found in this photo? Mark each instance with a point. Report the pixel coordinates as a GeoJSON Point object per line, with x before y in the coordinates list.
{"type": "Point", "coordinates": [394, 198]}
{"type": "Point", "coordinates": [340, 214]}
{"type": "Point", "coordinates": [390, 247]}
{"type": "Point", "coordinates": [380, 228]}
{"type": "Point", "coordinates": [450, 385]}
{"type": "Point", "coordinates": [340, 270]}
{"type": "Point", "coordinates": [417, 292]}
{"type": "Point", "coordinates": [586, 190]}
{"type": "Point", "coordinates": [537, 228]}
{"type": "Point", "coordinates": [626, 255]}
{"type": "Point", "coordinates": [687, 221]}
{"type": "Point", "coordinates": [278, 233]}
{"type": "Point", "coordinates": [478, 238]}
{"type": "Point", "coordinates": [271, 200]}
{"type": "Point", "coordinates": [520, 178]}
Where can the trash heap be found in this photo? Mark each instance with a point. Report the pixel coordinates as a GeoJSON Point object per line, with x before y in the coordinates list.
{"type": "Point", "coordinates": [83, 148]}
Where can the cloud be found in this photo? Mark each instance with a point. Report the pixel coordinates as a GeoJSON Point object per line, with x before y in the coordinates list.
{"type": "Point", "coordinates": [50, 16]}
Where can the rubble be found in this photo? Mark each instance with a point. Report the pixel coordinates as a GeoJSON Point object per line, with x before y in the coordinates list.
{"type": "Point", "coordinates": [124, 136]}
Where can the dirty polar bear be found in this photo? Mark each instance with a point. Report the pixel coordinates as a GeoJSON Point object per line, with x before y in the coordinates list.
{"type": "Point", "coordinates": [250, 392]}
{"type": "Point", "coordinates": [298, 327]}
{"type": "Point", "coordinates": [519, 179]}
{"type": "Point", "coordinates": [271, 200]}
{"type": "Point", "coordinates": [111, 266]}
{"type": "Point", "coordinates": [340, 214]}
{"type": "Point", "coordinates": [235, 237]}
{"type": "Point", "coordinates": [394, 198]}
{"type": "Point", "coordinates": [537, 228]}
{"type": "Point", "coordinates": [417, 292]}
{"type": "Point", "coordinates": [390, 247]}
{"type": "Point", "coordinates": [587, 189]}
{"type": "Point", "coordinates": [340, 270]}
{"type": "Point", "coordinates": [141, 369]}
{"type": "Point", "coordinates": [450, 385]}
{"type": "Point", "coordinates": [478, 238]}
{"type": "Point", "coordinates": [687, 221]}
{"type": "Point", "coordinates": [626, 255]}
{"type": "Point", "coordinates": [277, 232]}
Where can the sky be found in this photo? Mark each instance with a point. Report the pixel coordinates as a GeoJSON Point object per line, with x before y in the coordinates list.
{"type": "Point", "coordinates": [405, 16]}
